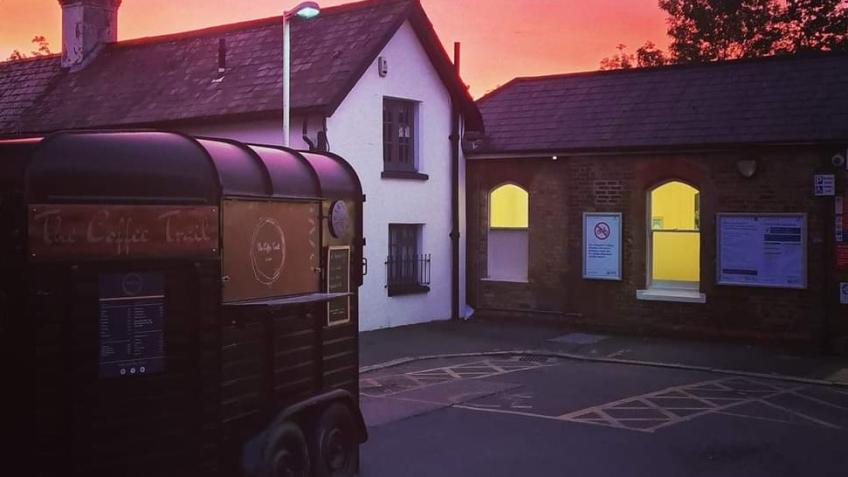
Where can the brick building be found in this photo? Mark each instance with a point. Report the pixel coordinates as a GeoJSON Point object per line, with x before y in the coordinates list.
{"type": "Point", "coordinates": [690, 156]}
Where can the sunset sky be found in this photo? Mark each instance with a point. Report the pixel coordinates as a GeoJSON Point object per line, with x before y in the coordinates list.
{"type": "Point", "coordinates": [500, 39]}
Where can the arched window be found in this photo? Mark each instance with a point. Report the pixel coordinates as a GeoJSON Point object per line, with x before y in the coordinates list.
{"type": "Point", "coordinates": [508, 242]}
{"type": "Point", "coordinates": [675, 236]}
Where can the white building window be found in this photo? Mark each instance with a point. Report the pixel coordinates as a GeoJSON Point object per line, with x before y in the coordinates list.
{"type": "Point", "coordinates": [399, 131]}
{"type": "Point", "coordinates": [508, 244]}
{"type": "Point", "coordinates": [407, 268]}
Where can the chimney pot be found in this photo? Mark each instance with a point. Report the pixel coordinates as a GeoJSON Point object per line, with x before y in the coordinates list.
{"type": "Point", "coordinates": [87, 25]}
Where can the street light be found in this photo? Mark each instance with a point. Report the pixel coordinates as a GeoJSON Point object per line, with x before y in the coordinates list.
{"type": "Point", "coordinates": [306, 11]}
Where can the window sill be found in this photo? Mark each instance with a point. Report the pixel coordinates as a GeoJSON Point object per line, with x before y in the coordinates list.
{"type": "Point", "coordinates": [406, 175]}
{"type": "Point", "coordinates": [399, 290]}
{"type": "Point", "coordinates": [505, 280]}
{"type": "Point", "coordinates": [671, 295]}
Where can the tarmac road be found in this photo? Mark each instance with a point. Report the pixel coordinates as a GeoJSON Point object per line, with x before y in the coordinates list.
{"type": "Point", "coordinates": [536, 416]}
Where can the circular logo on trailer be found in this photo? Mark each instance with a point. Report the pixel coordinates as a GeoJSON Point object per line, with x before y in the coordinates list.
{"type": "Point", "coordinates": [268, 251]}
{"type": "Point", "coordinates": [602, 230]}
{"type": "Point", "coordinates": [339, 219]}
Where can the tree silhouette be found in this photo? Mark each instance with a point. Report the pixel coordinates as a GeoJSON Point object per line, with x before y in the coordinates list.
{"type": "Point", "coordinates": [710, 30]}
{"type": "Point", "coordinates": [42, 49]}
{"type": "Point", "coordinates": [646, 55]}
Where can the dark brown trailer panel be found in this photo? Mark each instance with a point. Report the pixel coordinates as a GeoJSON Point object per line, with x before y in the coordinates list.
{"type": "Point", "coordinates": [230, 371]}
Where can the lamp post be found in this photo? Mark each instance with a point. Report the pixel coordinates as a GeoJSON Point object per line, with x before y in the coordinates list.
{"type": "Point", "coordinates": [305, 10]}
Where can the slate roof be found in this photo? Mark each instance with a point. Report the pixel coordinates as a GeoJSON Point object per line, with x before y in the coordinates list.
{"type": "Point", "coordinates": [21, 84]}
{"type": "Point", "coordinates": [159, 80]}
{"type": "Point", "coordinates": [764, 101]}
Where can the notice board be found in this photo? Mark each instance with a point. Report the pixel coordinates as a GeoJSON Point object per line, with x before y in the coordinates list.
{"type": "Point", "coordinates": [762, 250]}
{"type": "Point", "coordinates": [132, 323]}
{"type": "Point", "coordinates": [338, 281]}
{"type": "Point", "coordinates": [270, 249]}
{"type": "Point", "coordinates": [602, 245]}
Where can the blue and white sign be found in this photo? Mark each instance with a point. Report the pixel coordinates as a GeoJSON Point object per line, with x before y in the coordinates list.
{"type": "Point", "coordinates": [843, 293]}
{"type": "Point", "coordinates": [602, 246]}
{"type": "Point", "coordinates": [762, 250]}
{"type": "Point", "coordinates": [824, 185]}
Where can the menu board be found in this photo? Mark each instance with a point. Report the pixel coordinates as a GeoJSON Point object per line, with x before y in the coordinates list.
{"type": "Point", "coordinates": [602, 246]}
{"type": "Point", "coordinates": [132, 322]}
{"type": "Point", "coordinates": [766, 250]}
{"type": "Point", "coordinates": [338, 281]}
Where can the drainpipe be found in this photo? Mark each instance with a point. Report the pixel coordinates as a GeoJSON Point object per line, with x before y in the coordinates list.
{"type": "Point", "coordinates": [454, 235]}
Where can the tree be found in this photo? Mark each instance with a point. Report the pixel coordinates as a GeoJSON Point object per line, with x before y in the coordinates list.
{"type": "Point", "coordinates": [43, 48]}
{"type": "Point", "coordinates": [709, 30]}
{"type": "Point", "coordinates": [646, 55]}
{"type": "Point", "coordinates": [706, 30]}
{"type": "Point", "coordinates": [815, 25]}
{"type": "Point", "coordinates": [649, 55]}
{"type": "Point", "coordinates": [619, 61]}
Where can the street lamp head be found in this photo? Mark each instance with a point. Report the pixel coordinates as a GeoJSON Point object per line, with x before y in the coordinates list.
{"type": "Point", "coordinates": [305, 10]}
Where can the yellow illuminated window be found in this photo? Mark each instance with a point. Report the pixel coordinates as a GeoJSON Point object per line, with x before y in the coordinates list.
{"type": "Point", "coordinates": [508, 207]}
{"type": "Point", "coordinates": [675, 234]}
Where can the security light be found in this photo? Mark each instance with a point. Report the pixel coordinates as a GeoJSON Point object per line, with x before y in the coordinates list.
{"type": "Point", "coordinates": [305, 10]}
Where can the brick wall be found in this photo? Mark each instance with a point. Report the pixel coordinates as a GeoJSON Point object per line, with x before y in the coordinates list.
{"type": "Point", "coordinates": [562, 190]}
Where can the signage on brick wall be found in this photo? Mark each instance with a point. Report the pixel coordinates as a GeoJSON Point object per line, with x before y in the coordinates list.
{"type": "Point", "coordinates": [765, 250]}
{"type": "Point", "coordinates": [602, 246]}
{"type": "Point", "coordinates": [841, 232]}
{"type": "Point", "coordinates": [824, 185]}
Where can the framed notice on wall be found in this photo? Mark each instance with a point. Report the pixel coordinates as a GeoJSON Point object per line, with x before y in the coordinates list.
{"type": "Point", "coordinates": [762, 250]}
{"type": "Point", "coordinates": [338, 281]}
{"type": "Point", "coordinates": [602, 245]}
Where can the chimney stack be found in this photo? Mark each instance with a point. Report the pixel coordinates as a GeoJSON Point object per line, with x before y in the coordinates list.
{"type": "Point", "coordinates": [87, 25]}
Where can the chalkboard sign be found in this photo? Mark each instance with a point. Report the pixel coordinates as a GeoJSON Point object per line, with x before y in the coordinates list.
{"type": "Point", "coordinates": [338, 281]}
{"type": "Point", "coordinates": [132, 322]}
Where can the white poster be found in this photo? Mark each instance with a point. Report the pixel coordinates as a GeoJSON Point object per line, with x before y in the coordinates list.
{"type": "Point", "coordinates": [602, 246]}
{"type": "Point", "coordinates": [768, 250]}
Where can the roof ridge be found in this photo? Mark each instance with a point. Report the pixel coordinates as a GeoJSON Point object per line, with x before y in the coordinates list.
{"type": "Point", "coordinates": [247, 24]}
{"type": "Point", "coordinates": [30, 59]}
{"type": "Point", "coordinates": [678, 66]}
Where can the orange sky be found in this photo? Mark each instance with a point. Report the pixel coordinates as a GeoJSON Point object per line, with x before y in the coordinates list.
{"type": "Point", "coordinates": [500, 39]}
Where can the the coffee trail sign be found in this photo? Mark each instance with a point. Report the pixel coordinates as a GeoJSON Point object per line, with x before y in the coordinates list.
{"type": "Point", "coordinates": [121, 231]}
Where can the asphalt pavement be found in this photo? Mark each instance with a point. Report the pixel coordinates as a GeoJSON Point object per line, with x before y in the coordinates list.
{"type": "Point", "coordinates": [473, 413]}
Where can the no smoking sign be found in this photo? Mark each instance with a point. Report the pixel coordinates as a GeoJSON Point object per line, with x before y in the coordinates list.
{"type": "Point", "coordinates": [602, 230]}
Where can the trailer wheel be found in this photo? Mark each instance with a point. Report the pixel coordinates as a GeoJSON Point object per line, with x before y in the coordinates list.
{"type": "Point", "coordinates": [333, 442]}
{"type": "Point", "coordinates": [287, 454]}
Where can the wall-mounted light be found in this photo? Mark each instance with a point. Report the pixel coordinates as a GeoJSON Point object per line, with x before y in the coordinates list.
{"type": "Point", "coordinates": [746, 167]}
{"type": "Point", "coordinates": [554, 158]}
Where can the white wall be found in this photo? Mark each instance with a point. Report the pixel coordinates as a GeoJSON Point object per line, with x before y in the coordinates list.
{"type": "Point", "coordinates": [262, 131]}
{"type": "Point", "coordinates": [355, 132]}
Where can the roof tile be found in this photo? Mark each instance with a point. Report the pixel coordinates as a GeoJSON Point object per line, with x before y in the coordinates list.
{"type": "Point", "coordinates": [776, 99]}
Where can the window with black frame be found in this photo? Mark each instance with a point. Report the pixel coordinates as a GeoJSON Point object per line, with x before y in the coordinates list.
{"type": "Point", "coordinates": [399, 135]}
{"type": "Point", "coordinates": [407, 269]}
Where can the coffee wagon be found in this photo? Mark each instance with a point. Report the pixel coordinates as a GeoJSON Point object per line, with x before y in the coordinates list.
{"type": "Point", "coordinates": [173, 305]}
